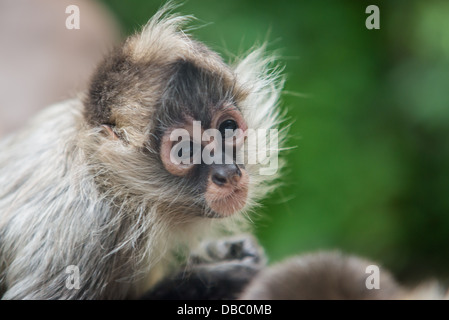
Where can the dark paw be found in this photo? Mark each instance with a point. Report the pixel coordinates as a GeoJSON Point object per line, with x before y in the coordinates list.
{"type": "Point", "coordinates": [220, 271]}
{"type": "Point", "coordinates": [243, 249]}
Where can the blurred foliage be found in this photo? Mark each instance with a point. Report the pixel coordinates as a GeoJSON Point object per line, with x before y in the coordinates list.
{"type": "Point", "coordinates": [370, 171]}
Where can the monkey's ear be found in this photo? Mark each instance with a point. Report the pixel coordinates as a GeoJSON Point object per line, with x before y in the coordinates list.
{"type": "Point", "coordinates": [109, 132]}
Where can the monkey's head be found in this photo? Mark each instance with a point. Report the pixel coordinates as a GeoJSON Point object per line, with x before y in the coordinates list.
{"type": "Point", "coordinates": [170, 124]}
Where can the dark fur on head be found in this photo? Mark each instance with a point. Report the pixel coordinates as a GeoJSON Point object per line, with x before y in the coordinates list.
{"type": "Point", "coordinates": [334, 276]}
{"type": "Point", "coordinates": [320, 276]}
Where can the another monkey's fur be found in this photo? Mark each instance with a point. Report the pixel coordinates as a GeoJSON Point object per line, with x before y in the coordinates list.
{"type": "Point", "coordinates": [332, 276]}
{"type": "Point", "coordinates": [84, 185]}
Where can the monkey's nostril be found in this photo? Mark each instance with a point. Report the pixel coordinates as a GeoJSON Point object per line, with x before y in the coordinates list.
{"type": "Point", "coordinates": [226, 174]}
{"type": "Point", "coordinates": [219, 179]}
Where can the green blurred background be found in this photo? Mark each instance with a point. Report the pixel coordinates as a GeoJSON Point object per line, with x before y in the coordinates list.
{"type": "Point", "coordinates": [370, 171]}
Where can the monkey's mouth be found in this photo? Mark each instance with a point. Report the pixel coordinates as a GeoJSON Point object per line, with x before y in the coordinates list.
{"type": "Point", "coordinates": [228, 200]}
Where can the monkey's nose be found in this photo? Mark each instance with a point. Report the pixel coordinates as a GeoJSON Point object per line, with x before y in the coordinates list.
{"type": "Point", "coordinates": [224, 174]}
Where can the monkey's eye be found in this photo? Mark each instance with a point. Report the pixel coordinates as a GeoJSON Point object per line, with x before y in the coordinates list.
{"type": "Point", "coordinates": [227, 128]}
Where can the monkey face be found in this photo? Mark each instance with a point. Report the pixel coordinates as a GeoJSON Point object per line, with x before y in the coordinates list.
{"type": "Point", "coordinates": [208, 156]}
{"type": "Point", "coordinates": [176, 117]}
{"type": "Point", "coordinates": [201, 130]}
